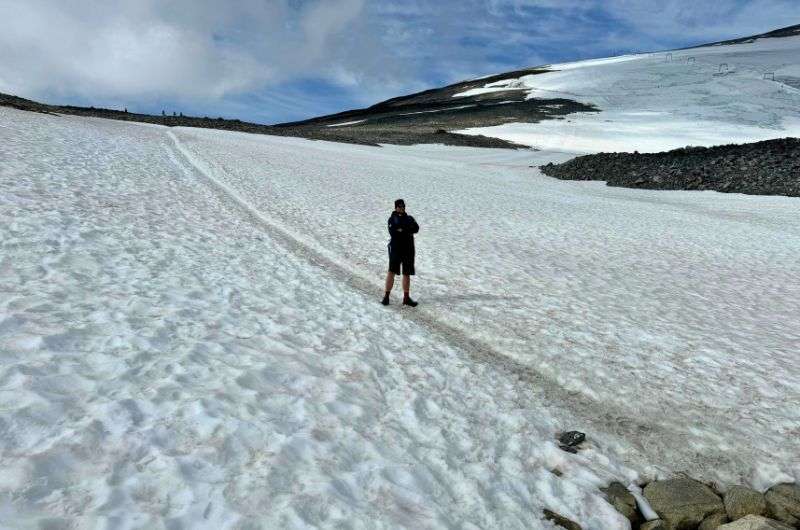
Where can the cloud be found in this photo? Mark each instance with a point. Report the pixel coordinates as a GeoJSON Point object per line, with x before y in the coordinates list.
{"type": "Point", "coordinates": [682, 19]}
{"type": "Point", "coordinates": [183, 48]}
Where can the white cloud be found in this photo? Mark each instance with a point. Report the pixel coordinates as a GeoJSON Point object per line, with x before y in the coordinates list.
{"type": "Point", "coordinates": [146, 48]}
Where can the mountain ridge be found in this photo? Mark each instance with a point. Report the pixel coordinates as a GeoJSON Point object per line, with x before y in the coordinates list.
{"type": "Point", "coordinates": [429, 116]}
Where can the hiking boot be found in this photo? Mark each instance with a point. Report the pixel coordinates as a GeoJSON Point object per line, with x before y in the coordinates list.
{"type": "Point", "coordinates": [385, 300]}
{"type": "Point", "coordinates": [409, 302]}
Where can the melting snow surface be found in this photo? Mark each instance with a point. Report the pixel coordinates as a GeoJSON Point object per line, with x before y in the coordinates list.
{"type": "Point", "coordinates": [190, 334]}
{"type": "Point", "coordinates": [704, 96]}
{"type": "Point", "coordinates": [346, 123]}
{"type": "Point", "coordinates": [438, 110]}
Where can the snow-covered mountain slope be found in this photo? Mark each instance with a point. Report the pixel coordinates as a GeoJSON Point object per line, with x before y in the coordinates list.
{"type": "Point", "coordinates": [190, 334]}
{"type": "Point", "coordinates": [718, 94]}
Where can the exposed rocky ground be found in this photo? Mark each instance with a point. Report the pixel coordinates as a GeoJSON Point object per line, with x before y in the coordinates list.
{"type": "Point", "coordinates": [427, 117]}
{"type": "Point", "coordinates": [686, 504]}
{"type": "Point", "coordinates": [423, 118]}
{"type": "Point", "coordinates": [764, 168]}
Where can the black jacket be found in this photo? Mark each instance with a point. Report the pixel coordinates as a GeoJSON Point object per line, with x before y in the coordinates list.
{"type": "Point", "coordinates": [402, 228]}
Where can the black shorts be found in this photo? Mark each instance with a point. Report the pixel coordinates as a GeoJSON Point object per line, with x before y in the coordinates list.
{"type": "Point", "coordinates": [406, 261]}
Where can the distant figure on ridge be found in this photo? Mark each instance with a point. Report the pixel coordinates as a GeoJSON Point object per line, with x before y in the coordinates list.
{"type": "Point", "coordinates": [402, 228]}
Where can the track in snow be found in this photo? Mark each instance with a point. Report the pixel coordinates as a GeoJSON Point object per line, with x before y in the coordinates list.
{"type": "Point", "coordinates": [172, 315]}
{"type": "Point", "coordinates": [601, 416]}
{"type": "Point", "coordinates": [623, 307]}
{"type": "Point", "coordinates": [162, 361]}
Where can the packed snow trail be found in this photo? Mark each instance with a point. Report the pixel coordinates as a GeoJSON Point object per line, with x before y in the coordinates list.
{"type": "Point", "coordinates": [167, 362]}
{"type": "Point", "coordinates": [590, 411]}
{"type": "Point", "coordinates": [599, 416]}
{"type": "Point", "coordinates": [667, 320]}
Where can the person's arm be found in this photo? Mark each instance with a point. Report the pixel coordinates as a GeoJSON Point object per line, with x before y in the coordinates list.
{"type": "Point", "coordinates": [413, 226]}
{"type": "Point", "coordinates": [393, 228]}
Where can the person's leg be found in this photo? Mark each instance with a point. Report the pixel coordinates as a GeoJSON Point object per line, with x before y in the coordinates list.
{"type": "Point", "coordinates": [389, 281]}
{"type": "Point", "coordinates": [389, 285]}
{"type": "Point", "coordinates": [406, 288]}
{"type": "Point", "coordinates": [408, 271]}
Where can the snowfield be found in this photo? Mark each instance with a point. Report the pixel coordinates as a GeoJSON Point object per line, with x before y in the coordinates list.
{"type": "Point", "coordinates": [190, 334]}
{"type": "Point", "coordinates": [654, 102]}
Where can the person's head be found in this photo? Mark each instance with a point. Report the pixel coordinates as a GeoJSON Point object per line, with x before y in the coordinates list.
{"type": "Point", "coordinates": [400, 206]}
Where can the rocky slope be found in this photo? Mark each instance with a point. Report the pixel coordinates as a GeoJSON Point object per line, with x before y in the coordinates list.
{"type": "Point", "coordinates": [429, 116]}
{"type": "Point", "coordinates": [423, 118]}
{"type": "Point", "coordinates": [313, 131]}
{"type": "Point", "coordinates": [771, 167]}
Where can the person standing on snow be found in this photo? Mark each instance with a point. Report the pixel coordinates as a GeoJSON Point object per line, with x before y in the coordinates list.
{"type": "Point", "coordinates": [402, 228]}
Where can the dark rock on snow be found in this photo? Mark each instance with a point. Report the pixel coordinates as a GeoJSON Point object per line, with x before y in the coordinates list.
{"type": "Point", "coordinates": [741, 501]}
{"type": "Point", "coordinates": [763, 168]}
{"type": "Point", "coordinates": [713, 521]}
{"type": "Point", "coordinates": [755, 522]}
{"type": "Point", "coordinates": [783, 503]}
{"type": "Point", "coordinates": [561, 521]}
{"type": "Point", "coordinates": [572, 438]}
{"type": "Point", "coordinates": [623, 501]}
{"type": "Point", "coordinates": [682, 503]}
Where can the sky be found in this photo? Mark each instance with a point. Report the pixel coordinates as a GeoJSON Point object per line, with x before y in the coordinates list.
{"type": "Point", "coordinates": [272, 61]}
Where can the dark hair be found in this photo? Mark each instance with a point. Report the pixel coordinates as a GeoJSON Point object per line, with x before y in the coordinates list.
{"type": "Point", "coordinates": [399, 202]}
